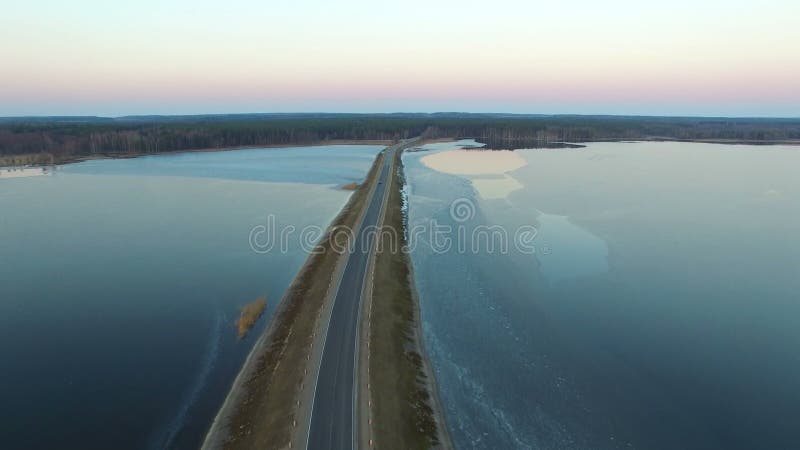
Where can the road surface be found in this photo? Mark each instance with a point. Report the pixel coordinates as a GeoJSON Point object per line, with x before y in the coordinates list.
{"type": "Point", "coordinates": [333, 413]}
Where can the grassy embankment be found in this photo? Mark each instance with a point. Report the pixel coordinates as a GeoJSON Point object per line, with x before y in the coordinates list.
{"type": "Point", "coordinates": [265, 408]}
{"type": "Point", "coordinates": [27, 159]}
{"type": "Point", "coordinates": [402, 395]}
{"type": "Point", "coordinates": [249, 315]}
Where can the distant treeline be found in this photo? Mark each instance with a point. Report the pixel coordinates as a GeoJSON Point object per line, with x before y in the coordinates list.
{"type": "Point", "coordinates": [62, 138]}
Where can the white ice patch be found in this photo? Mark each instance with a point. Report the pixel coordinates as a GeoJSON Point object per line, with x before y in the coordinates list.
{"type": "Point", "coordinates": [486, 170]}
{"type": "Point", "coordinates": [22, 172]}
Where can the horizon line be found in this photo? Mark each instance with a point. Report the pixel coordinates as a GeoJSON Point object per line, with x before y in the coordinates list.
{"type": "Point", "coordinates": [417, 113]}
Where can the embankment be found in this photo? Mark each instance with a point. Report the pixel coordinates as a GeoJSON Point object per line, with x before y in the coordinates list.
{"type": "Point", "coordinates": [262, 407]}
{"type": "Point", "coordinates": [405, 408]}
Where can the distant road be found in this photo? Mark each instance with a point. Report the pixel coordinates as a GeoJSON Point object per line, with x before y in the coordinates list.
{"type": "Point", "coordinates": [333, 414]}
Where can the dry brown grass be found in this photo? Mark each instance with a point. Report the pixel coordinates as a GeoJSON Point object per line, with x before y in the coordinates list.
{"type": "Point", "coordinates": [350, 186]}
{"type": "Point", "coordinates": [27, 159]}
{"type": "Point", "coordinates": [404, 414]}
{"type": "Point", "coordinates": [250, 314]}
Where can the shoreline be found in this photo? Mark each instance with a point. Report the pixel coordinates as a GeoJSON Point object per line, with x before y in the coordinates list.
{"type": "Point", "coordinates": [755, 143]}
{"type": "Point", "coordinates": [402, 406]}
{"type": "Point", "coordinates": [439, 413]}
{"type": "Point", "coordinates": [74, 159]}
{"type": "Point", "coordinates": [23, 172]}
{"type": "Point", "coordinates": [266, 400]}
{"type": "Point", "coordinates": [431, 384]}
{"type": "Point", "coordinates": [267, 404]}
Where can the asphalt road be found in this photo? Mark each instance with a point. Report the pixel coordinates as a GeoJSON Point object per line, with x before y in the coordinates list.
{"type": "Point", "coordinates": [333, 414]}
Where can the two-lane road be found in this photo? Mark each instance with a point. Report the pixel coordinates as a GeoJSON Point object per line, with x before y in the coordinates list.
{"type": "Point", "coordinates": [333, 413]}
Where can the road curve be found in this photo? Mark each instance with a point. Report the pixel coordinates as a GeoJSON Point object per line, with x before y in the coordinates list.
{"type": "Point", "coordinates": [333, 412]}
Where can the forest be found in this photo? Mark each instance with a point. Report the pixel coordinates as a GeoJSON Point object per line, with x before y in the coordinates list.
{"type": "Point", "coordinates": [37, 140]}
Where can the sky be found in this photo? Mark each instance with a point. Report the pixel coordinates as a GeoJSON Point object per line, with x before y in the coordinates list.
{"type": "Point", "coordinates": [678, 57]}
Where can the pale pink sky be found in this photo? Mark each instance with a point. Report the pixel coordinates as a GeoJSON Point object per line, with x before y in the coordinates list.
{"type": "Point", "coordinates": [618, 57]}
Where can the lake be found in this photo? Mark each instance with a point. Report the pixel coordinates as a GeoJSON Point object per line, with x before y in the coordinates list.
{"type": "Point", "coordinates": [121, 281]}
{"type": "Point", "coordinates": [650, 302]}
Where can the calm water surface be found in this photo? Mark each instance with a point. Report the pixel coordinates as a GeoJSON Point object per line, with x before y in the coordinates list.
{"type": "Point", "coordinates": [660, 309]}
{"type": "Point", "coordinates": [120, 281]}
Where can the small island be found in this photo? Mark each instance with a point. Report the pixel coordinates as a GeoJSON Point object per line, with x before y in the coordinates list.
{"type": "Point", "coordinates": [250, 314]}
